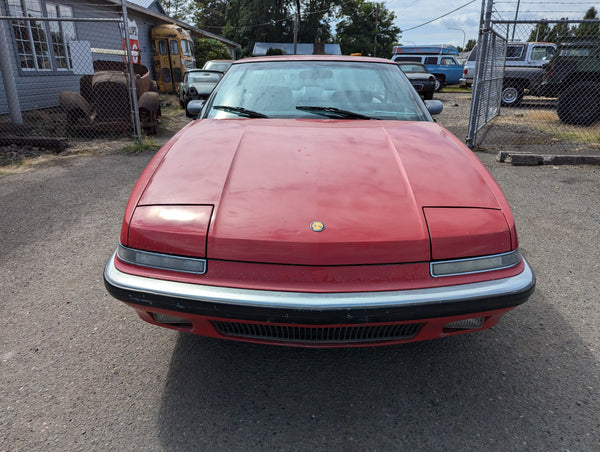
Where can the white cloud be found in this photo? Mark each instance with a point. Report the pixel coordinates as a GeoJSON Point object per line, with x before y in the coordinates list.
{"type": "Point", "coordinates": [412, 13]}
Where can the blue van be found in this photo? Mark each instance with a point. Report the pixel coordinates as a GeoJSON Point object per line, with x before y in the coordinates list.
{"type": "Point", "coordinates": [440, 60]}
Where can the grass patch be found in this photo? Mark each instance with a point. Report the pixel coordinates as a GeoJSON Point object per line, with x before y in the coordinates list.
{"type": "Point", "coordinates": [547, 121]}
{"type": "Point", "coordinates": [455, 89]}
{"type": "Point", "coordinates": [146, 145]}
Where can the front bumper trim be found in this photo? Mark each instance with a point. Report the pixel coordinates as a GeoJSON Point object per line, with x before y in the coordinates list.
{"type": "Point", "coordinates": [186, 297]}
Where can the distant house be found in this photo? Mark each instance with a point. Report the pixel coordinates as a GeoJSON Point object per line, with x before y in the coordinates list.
{"type": "Point", "coordinates": [261, 48]}
{"type": "Point", "coordinates": [37, 57]}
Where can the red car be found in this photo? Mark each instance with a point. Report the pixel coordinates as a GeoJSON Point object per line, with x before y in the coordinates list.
{"type": "Point", "coordinates": [316, 203]}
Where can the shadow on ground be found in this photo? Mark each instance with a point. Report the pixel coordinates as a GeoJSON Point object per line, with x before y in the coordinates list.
{"type": "Point", "coordinates": [480, 391]}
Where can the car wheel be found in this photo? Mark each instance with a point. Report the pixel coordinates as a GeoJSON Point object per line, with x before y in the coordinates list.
{"type": "Point", "coordinates": [428, 95]}
{"type": "Point", "coordinates": [579, 104]}
{"type": "Point", "coordinates": [439, 83]}
{"type": "Point", "coordinates": [511, 96]}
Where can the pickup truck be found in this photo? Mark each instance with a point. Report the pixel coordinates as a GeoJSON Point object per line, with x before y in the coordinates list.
{"type": "Point", "coordinates": [440, 60]}
{"type": "Point", "coordinates": [522, 69]}
{"type": "Point", "coordinates": [573, 76]}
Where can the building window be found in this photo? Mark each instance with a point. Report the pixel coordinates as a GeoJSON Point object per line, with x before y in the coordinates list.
{"type": "Point", "coordinates": [42, 46]}
{"type": "Point", "coordinates": [61, 34]}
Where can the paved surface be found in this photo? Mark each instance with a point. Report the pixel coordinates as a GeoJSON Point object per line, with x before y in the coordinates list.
{"type": "Point", "coordinates": [79, 371]}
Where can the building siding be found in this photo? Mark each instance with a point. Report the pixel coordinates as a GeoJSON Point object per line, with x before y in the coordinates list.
{"type": "Point", "coordinates": [37, 90]}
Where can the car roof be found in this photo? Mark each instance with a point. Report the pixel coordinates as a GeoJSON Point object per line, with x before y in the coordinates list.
{"type": "Point", "coordinates": [204, 70]}
{"type": "Point", "coordinates": [279, 58]}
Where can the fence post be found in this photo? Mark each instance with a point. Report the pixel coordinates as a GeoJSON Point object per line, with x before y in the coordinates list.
{"type": "Point", "coordinates": [482, 47]}
{"type": "Point", "coordinates": [135, 113]}
{"type": "Point", "coordinates": [8, 79]}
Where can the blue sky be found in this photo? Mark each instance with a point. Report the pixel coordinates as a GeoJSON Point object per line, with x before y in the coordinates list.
{"type": "Point", "coordinates": [449, 29]}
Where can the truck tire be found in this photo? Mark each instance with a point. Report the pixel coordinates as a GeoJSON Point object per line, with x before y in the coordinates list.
{"type": "Point", "coordinates": [439, 82]}
{"type": "Point", "coordinates": [579, 104]}
{"type": "Point", "coordinates": [512, 95]}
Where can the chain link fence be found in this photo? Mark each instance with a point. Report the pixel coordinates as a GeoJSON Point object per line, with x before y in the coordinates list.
{"type": "Point", "coordinates": [69, 78]}
{"type": "Point", "coordinates": [550, 91]}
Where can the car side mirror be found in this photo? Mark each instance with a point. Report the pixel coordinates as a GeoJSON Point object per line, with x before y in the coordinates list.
{"type": "Point", "coordinates": [194, 107]}
{"type": "Point", "coordinates": [434, 107]}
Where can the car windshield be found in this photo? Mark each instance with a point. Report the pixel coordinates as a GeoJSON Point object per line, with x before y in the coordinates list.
{"type": "Point", "coordinates": [217, 65]}
{"type": "Point", "coordinates": [316, 89]}
{"type": "Point", "coordinates": [203, 77]}
{"type": "Point", "coordinates": [413, 68]}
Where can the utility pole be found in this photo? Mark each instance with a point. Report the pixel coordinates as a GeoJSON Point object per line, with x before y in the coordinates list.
{"type": "Point", "coordinates": [516, 17]}
{"type": "Point", "coordinates": [296, 23]}
{"type": "Point", "coordinates": [376, 26]}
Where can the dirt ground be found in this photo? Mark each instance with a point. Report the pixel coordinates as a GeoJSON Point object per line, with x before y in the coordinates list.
{"type": "Point", "coordinates": [16, 158]}
{"type": "Point", "coordinates": [533, 127]}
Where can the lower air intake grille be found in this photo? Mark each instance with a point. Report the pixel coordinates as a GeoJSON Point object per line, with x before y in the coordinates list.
{"type": "Point", "coordinates": [318, 335]}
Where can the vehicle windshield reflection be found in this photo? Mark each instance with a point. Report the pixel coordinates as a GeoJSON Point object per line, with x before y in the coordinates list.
{"type": "Point", "coordinates": [305, 89]}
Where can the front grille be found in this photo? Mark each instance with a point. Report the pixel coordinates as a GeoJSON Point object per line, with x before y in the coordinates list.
{"type": "Point", "coordinates": [318, 335]}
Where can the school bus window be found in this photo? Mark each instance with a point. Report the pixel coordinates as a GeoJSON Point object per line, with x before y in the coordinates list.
{"type": "Point", "coordinates": [176, 74]}
{"type": "Point", "coordinates": [174, 47]}
{"type": "Point", "coordinates": [186, 47]}
{"type": "Point", "coordinates": [162, 45]}
{"type": "Point", "coordinates": [166, 73]}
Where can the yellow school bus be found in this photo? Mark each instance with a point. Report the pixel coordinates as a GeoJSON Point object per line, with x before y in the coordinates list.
{"type": "Point", "coordinates": [173, 56]}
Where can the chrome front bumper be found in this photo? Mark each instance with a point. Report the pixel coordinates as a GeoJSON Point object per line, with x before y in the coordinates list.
{"type": "Point", "coordinates": [415, 303]}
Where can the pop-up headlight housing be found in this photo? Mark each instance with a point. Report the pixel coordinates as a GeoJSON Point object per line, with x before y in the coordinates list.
{"type": "Point", "coordinates": [470, 240]}
{"type": "Point", "coordinates": [167, 237]}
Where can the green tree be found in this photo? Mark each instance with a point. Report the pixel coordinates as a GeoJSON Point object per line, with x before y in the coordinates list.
{"type": "Point", "coordinates": [560, 30]}
{"type": "Point", "coordinates": [178, 9]}
{"type": "Point", "coordinates": [366, 27]}
{"type": "Point", "coordinates": [315, 18]}
{"type": "Point", "coordinates": [541, 32]}
{"type": "Point", "coordinates": [470, 44]}
{"type": "Point", "coordinates": [589, 29]}
{"type": "Point", "coordinates": [209, 15]}
{"type": "Point", "coordinates": [210, 49]}
{"type": "Point", "coordinates": [249, 21]}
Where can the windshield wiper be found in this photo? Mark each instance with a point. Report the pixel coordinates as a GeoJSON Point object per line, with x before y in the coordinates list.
{"type": "Point", "coordinates": [240, 111]}
{"type": "Point", "coordinates": [332, 112]}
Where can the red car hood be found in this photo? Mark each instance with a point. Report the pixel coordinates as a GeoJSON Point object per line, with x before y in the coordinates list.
{"type": "Point", "coordinates": [366, 181]}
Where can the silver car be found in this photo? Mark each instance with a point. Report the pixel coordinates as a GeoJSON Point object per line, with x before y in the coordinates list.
{"type": "Point", "coordinates": [197, 84]}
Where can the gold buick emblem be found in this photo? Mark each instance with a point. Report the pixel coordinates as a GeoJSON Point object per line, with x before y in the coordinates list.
{"type": "Point", "coordinates": [317, 226]}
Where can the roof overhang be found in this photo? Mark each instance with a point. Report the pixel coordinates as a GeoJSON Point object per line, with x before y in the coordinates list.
{"type": "Point", "coordinates": [171, 20]}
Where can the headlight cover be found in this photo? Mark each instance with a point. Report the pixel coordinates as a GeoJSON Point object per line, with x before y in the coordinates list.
{"type": "Point", "coordinates": [475, 264]}
{"type": "Point", "coordinates": [161, 261]}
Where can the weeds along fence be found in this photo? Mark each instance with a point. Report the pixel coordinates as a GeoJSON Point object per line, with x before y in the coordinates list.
{"type": "Point", "coordinates": [528, 98]}
{"type": "Point", "coordinates": [69, 77]}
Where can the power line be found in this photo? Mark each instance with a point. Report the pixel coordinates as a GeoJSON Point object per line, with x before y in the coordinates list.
{"type": "Point", "coordinates": [438, 18]}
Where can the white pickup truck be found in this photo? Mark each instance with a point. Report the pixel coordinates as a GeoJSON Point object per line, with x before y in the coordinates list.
{"type": "Point", "coordinates": [522, 69]}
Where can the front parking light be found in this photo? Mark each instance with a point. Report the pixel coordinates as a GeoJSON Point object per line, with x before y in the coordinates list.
{"type": "Point", "coordinates": [161, 261]}
{"type": "Point", "coordinates": [475, 264]}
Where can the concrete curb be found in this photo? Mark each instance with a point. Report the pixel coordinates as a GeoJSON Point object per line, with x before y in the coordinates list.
{"type": "Point", "coordinates": [546, 159]}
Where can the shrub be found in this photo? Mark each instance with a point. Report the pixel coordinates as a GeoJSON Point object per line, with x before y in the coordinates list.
{"type": "Point", "coordinates": [210, 49]}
